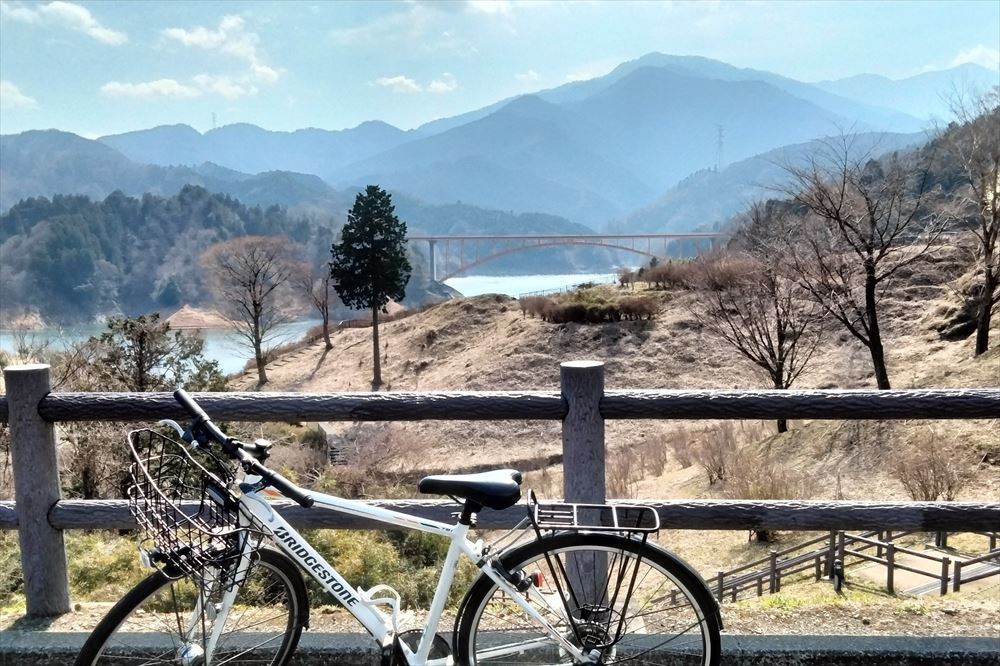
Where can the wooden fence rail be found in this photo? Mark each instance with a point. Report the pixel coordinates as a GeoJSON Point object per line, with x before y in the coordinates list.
{"type": "Point", "coordinates": [582, 405]}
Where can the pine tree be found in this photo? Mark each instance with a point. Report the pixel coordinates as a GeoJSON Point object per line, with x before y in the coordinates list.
{"type": "Point", "coordinates": [369, 265]}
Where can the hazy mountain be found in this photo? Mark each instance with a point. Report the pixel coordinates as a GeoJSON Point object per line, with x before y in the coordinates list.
{"type": "Point", "coordinates": [598, 157]}
{"type": "Point", "coordinates": [528, 156]}
{"type": "Point", "coordinates": [706, 199]}
{"type": "Point", "coordinates": [862, 113]}
{"type": "Point", "coordinates": [854, 111]}
{"type": "Point", "coordinates": [43, 163]}
{"type": "Point", "coordinates": [665, 125]}
{"type": "Point", "coordinates": [923, 95]}
{"type": "Point", "coordinates": [250, 149]}
{"type": "Point", "coordinates": [589, 151]}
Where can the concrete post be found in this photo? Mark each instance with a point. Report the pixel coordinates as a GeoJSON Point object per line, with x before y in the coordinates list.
{"type": "Point", "coordinates": [36, 480]}
{"type": "Point", "coordinates": [582, 384]}
{"type": "Point", "coordinates": [434, 275]}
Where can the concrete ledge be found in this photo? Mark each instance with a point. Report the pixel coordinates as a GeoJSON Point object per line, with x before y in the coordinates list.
{"type": "Point", "coordinates": [23, 648]}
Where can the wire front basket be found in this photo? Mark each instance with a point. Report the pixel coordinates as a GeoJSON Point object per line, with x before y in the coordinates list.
{"type": "Point", "coordinates": [181, 499]}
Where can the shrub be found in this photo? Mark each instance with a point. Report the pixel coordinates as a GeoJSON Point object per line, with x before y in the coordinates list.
{"type": "Point", "coordinates": [758, 476]}
{"type": "Point", "coordinates": [534, 306]}
{"type": "Point", "coordinates": [638, 307]}
{"type": "Point", "coordinates": [718, 447]}
{"type": "Point", "coordinates": [102, 566]}
{"type": "Point", "coordinates": [370, 453]}
{"type": "Point", "coordinates": [622, 474]}
{"type": "Point", "coordinates": [679, 442]}
{"type": "Point", "coordinates": [409, 563]}
{"type": "Point", "coordinates": [653, 452]}
{"type": "Point", "coordinates": [11, 576]}
{"type": "Point", "coordinates": [929, 470]}
{"type": "Point", "coordinates": [721, 271]}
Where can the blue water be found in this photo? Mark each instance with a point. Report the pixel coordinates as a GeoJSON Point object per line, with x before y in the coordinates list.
{"type": "Point", "coordinates": [220, 344]}
{"type": "Point", "coordinates": [224, 345]}
{"type": "Point", "coordinates": [516, 285]}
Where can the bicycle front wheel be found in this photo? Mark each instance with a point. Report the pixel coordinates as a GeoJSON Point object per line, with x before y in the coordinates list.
{"type": "Point", "coordinates": [628, 601]}
{"type": "Point", "coordinates": [165, 621]}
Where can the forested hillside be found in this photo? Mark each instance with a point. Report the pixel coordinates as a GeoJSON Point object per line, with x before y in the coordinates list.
{"type": "Point", "coordinates": [71, 258]}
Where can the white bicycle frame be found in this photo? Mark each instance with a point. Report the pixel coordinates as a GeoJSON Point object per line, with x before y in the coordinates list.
{"type": "Point", "coordinates": [360, 603]}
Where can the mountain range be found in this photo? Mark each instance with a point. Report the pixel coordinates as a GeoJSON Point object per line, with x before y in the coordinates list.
{"type": "Point", "coordinates": [589, 151]}
{"type": "Point", "coordinates": [707, 199]}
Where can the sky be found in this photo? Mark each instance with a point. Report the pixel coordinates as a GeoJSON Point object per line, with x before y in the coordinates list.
{"type": "Point", "coordinates": [106, 67]}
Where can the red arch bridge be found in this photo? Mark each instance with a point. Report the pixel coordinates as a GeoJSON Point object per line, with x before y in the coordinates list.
{"type": "Point", "coordinates": [453, 255]}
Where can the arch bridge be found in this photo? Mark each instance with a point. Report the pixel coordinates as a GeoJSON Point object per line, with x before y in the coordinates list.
{"type": "Point", "coordinates": [453, 255]}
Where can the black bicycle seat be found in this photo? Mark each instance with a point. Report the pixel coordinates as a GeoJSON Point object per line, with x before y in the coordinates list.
{"type": "Point", "coordinates": [497, 489]}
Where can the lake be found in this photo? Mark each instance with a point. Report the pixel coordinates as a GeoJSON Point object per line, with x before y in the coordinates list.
{"type": "Point", "coordinates": [516, 285]}
{"type": "Point", "coordinates": [220, 344]}
{"type": "Point", "coordinates": [224, 346]}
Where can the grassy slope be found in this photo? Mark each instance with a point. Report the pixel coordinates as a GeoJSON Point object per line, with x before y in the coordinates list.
{"type": "Point", "coordinates": [485, 343]}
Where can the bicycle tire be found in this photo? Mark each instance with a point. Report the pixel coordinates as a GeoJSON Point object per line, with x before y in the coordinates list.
{"type": "Point", "coordinates": [146, 623]}
{"type": "Point", "coordinates": [620, 624]}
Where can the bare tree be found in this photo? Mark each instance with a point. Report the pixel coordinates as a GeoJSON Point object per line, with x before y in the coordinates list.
{"type": "Point", "coordinates": [974, 142]}
{"type": "Point", "coordinates": [246, 277]}
{"type": "Point", "coordinates": [766, 316]}
{"type": "Point", "coordinates": [317, 285]}
{"type": "Point", "coordinates": [867, 220]}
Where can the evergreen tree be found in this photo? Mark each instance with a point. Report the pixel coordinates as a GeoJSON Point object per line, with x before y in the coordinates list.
{"type": "Point", "coordinates": [143, 354]}
{"type": "Point", "coordinates": [369, 265]}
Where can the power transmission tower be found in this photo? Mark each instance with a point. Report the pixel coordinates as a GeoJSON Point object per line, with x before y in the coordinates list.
{"type": "Point", "coordinates": [213, 119]}
{"type": "Point", "coordinates": [718, 148]}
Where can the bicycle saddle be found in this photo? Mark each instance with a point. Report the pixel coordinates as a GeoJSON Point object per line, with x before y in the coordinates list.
{"type": "Point", "coordinates": [497, 489]}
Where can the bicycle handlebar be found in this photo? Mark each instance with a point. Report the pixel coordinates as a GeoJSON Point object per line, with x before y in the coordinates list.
{"type": "Point", "coordinates": [236, 449]}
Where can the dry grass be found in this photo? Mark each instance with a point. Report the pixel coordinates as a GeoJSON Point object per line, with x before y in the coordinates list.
{"type": "Point", "coordinates": [486, 343]}
{"type": "Point", "coordinates": [930, 471]}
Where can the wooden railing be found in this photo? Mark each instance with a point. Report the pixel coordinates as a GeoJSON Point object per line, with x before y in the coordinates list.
{"type": "Point", "coordinates": [582, 405]}
{"type": "Point", "coordinates": [765, 575]}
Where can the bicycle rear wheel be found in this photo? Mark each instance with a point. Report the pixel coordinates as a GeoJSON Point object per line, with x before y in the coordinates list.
{"type": "Point", "coordinates": [632, 602]}
{"type": "Point", "coordinates": [165, 621]}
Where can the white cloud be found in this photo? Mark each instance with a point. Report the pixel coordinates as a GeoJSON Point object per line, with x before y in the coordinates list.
{"type": "Point", "coordinates": [399, 84]}
{"type": "Point", "coordinates": [445, 84]}
{"type": "Point", "coordinates": [531, 76]}
{"type": "Point", "coordinates": [399, 26]}
{"type": "Point", "coordinates": [979, 55]}
{"type": "Point", "coordinates": [200, 85]}
{"type": "Point", "coordinates": [223, 85]}
{"type": "Point", "coordinates": [491, 7]}
{"type": "Point", "coordinates": [11, 97]}
{"type": "Point", "coordinates": [151, 89]}
{"type": "Point", "coordinates": [230, 38]}
{"type": "Point", "coordinates": [425, 26]}
{"type": "Point", "coordinates": [67, 15]}
{"type": "Point", "coordinates": [406, 85]}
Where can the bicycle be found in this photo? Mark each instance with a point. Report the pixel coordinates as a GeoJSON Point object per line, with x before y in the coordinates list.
{"type": "Point", "coordinates": [571, 584]}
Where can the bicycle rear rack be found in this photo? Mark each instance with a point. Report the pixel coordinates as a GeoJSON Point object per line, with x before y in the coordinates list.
{"type": "Point", "coordinates": [621, 518]}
